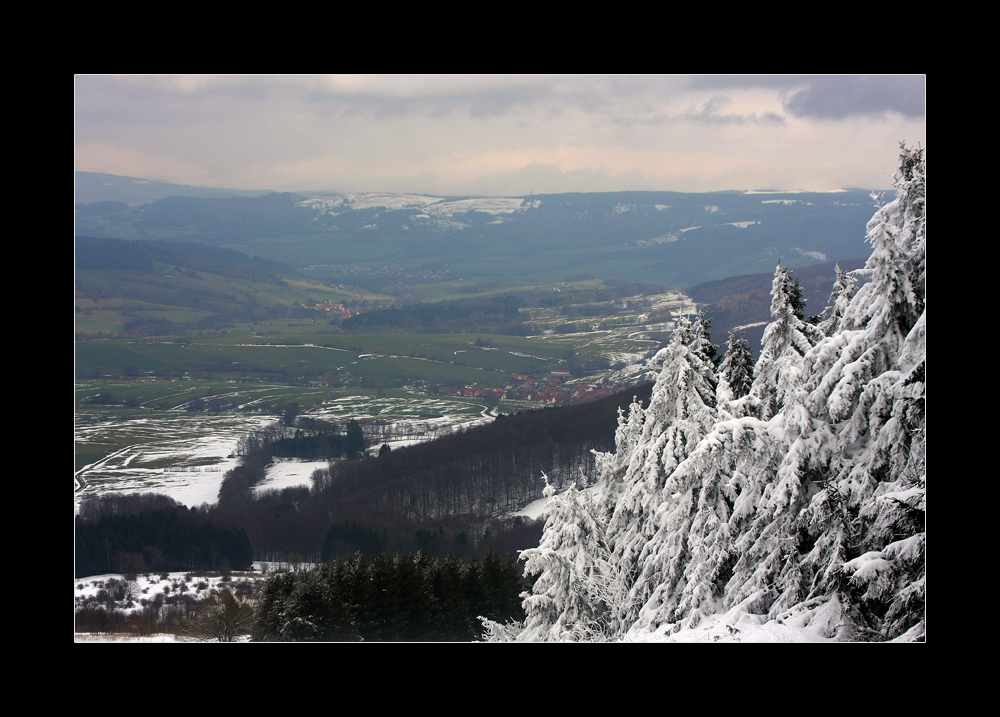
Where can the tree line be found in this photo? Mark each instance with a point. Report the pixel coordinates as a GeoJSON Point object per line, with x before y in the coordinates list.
{"type": "Point", "coordinates": [163, 538]}
{"type": "Point", "coordinates": [400, 597]}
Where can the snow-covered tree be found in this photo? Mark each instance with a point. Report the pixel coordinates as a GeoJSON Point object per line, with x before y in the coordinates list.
{"type": "Point", "coordinates": [565, 602]}
{"type": "Point", "coordinates": [611, 467]}
{"type": "Point", "coordinates": [807, 493]}
{"type": "Point", "coordinates": [869, 380]}
{"type": "Point", "coordinates": [837, 466]}
{"type": "Point", "coordinates": [840, 299]}
{"type": "Point", "coordinates": [786, 340]}
{"type": "Point", "coordinates": [797, 298]}
{"type": "Point", "coordinates": [681, 411]}
{"type": "Point", "coordinates": [701, 340]}
{"type": "Point", "coordinates": [737, 367]}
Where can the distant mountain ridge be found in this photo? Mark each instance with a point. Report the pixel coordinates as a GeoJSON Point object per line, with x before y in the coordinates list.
{"type": "Point", "coordinates": [91, 187]}
{"type": "Point", "coordinates": [663, 237]}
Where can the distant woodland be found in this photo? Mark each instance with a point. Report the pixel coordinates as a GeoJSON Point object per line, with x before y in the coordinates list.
{"type": "Point", "coordinates": [446, 496]}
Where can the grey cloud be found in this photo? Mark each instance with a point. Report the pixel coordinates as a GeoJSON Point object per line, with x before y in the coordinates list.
{"type": "Point", "coordinates": [832, 96]}
{"type": "Point", "coordinates": [471, 102]}
{"type": "Point", "coordinates": [841, 97]}
{"type": "Point", "coordinates": [492, 102]}
{"type": "Point", "coordinates": [710, 113]}
{"type": "Point", "coordinates": [745, 82]}
{"type": "Point", "coordinates": [103, 101]}
{"type": "Point", "coordinates": [475, 97]}
{"type": "Point", "coordinates": [491, 98]}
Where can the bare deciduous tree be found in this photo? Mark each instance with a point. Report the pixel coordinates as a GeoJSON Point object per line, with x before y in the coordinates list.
{"type": "Point", "coordinates": [222, 617]}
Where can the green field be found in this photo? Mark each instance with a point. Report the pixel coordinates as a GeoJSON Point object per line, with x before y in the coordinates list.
{"type": "Point", "coordinates": [245, 347]}
{"type": "Point", "coordinates": [160, 416]}
{"type": "Point", "coordinates": [298, 353]}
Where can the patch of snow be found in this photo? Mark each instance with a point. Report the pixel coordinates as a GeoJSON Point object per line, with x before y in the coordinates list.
{"type": "Point", "coordinates": [811, 254]}
{"type": "Point", "coordinates": [664, 239]}
{"type": "Point", "coordinates": [490, 205]}
{"type": "Point", "coordinates": [288, 473]}
{"type": "Point", "coordinates": [388, 200]}
{"type": "Point", "coordinates": [814, 621]}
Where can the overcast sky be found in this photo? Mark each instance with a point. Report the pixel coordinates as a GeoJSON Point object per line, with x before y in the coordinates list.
{"type": "Point", "coordinates": [500, 135]}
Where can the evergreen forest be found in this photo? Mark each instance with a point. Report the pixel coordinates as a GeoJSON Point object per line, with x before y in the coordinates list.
{"type": "Point", "coordinates": [788, 490]}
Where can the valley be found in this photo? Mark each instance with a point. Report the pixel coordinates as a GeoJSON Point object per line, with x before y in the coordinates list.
{"type": "Point", "coordinates": [184, 347]}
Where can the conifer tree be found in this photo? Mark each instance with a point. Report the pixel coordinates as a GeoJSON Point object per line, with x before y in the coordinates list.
{"type": "Point", "coordinates": [786, 340]}
{"type": "Point", "coordinates": [564, 603]}
{"type": "Point", "coordinates": [806, 493]}
{"type": "Point", "coordinates": [870, 379]}
{"type": "Point", "coordinates": [701, 340]}
{"type": "Point", "coordinates": [611, 467]}
{"type": "Point", "coordinates": [647, 530]}
{"type": "Point", "coordinates": [797, 299]}
{"type": "Point", "coordinates": [737, 366]}
{"type": "Point", "coordinates": [727, 475]}
{"type": "Point", "coordinates": [840, 299]}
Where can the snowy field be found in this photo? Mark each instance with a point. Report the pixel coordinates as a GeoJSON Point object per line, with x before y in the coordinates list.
{"type": "Point", "coordinates": [181, 455]}
{"type": "Point", "coordinates": [186, 456]}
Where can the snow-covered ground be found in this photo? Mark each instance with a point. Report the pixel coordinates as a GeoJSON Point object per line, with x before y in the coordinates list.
{"type": "Point", "coordinates": [489, 205]}
{"type": "Point", "coordinates": [537, 509]}
{"type": "Point", "coordinates": [157, 587]}
{"type": "Point", "coordinates": [368, 200]}
{"type": "Point", "coordinates": [186, 456]}
{"type": "Point", "coordinates": [147, 587]}
{"type": "Point", "coordinates": [809, 624]}
{"type": "Point", "coordinates": [288, 473]}
{"type": "Point", "coordinates": [433, 206]}
{"type": "Point", "coordinates": [805, 623]}
{"type": "Point", "coordinates": [180, 455]}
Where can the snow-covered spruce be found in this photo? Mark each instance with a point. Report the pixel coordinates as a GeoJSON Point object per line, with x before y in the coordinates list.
{"type": "Point", "coordinates": [840, 300]}
{"type": "Point", "coordinates": [648, 527]}
{"type": "Point", "coordinates": [804, 497]}
{"type": "Point", "coordinates": [736, 371]}
{"type": "Point", "coordinates": [565, 603]}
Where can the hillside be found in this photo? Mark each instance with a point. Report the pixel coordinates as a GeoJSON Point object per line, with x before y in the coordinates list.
{"type": "Point", "coordinates": [664, 237]}
{"type": "Point", "coordinates": [96, 187]}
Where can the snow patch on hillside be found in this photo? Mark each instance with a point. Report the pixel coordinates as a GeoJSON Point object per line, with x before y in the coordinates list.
{"type": "Point", "coordinates": [428, 206]}
{"type": "Point", "coordinates": [489, 205]}
{"type": "Point", "coordinates": [818, 255]}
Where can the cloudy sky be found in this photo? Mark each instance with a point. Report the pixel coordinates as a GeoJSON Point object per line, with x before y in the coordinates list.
{"type": "Point", "coordinates": [500, 134]}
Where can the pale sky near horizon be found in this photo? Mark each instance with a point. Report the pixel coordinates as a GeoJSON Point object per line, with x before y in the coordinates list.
{"type": "Point", "coordinates": [500, 134]}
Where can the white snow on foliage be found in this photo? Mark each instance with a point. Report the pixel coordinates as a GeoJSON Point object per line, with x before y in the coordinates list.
{"type": "Point", "coordinates": [793, 513]}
